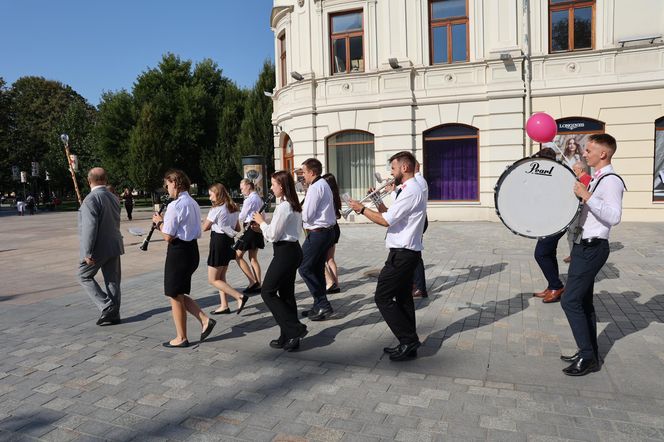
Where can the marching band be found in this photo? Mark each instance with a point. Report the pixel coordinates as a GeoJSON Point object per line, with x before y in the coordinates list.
{"type": "Point", "coordinates": [405, 220]}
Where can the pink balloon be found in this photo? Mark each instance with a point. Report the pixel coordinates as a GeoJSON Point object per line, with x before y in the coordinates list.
{"type": "Point", "coordinates": [541, 127]}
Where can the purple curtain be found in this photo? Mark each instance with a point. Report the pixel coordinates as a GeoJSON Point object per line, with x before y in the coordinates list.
{"type": "Point", "coordinates": [451, 169]}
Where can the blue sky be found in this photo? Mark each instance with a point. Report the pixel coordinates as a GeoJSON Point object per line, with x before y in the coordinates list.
{"type": "Point", "coordinates": [95, 45]}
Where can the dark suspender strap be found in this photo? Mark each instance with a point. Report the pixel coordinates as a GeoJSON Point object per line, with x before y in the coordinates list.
{"type": "Point", "coordinates": [609, 174]}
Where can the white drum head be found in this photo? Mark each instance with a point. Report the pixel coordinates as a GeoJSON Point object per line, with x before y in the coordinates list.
{"type": "Point", "coordinates": [534, 197]}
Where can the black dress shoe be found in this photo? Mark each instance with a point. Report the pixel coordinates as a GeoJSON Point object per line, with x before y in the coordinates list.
{"type": "Point", "coordinates": [182, 344]}
{"type": "Point", "coordinates": [333, 289]}
{"type": "Point", "coordinates": [405, 351]}
{"type": "Point", "coordinates": [321, 314]}
{"type": "Point", "coordinates": [221, 312]}
{"type": "Point", "coordinates": [251, 288]}
{"type": "Point", "coordinates": [110, 314]}
{"type": "Point", "coordinates": [294, 343]}
{"type": "Point", "coordinates": [245, 298]}
{"type": "Point", "coordinates": [582, 367]}
{"type": "Point", "coordinates": [278, 343]}
{"type": "Point", "coordinates": [570, 359]}
{"type": "Point", "coordinates": [307, 313]}
{"type": "Point", "coordinates": [390, 350]}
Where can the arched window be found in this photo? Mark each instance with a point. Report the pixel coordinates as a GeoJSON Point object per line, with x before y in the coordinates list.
{"type": "Point", "coordinates": [287, 154]}
{"type": "Point", "coordinates": [350, 158]}
{"type": "Point", "coordinates": [658, 183]}
{"type": "Point", "coordinates": [451, 162]}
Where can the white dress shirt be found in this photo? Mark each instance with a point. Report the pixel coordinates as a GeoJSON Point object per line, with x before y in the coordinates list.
{"type": "Point", "coordinates": [406, 218]}
{"type": "Point", "coordinates": [183, 218]}
{"type": "Point", "coordinates": [423, 184]}
{"type": "Point", "coordinates": [252, 203]}
{"type": "Point", "coordinates": [318, 210]}
{"type": "Point", "coordinates": [604, 207]}
{"type": "Point", "coordinates": [286, 224]}
{"type": "Point", "coordinates": [223, 221]}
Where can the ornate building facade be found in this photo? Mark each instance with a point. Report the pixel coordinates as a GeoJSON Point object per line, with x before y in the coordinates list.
{"type": "Point", "coordinates": [454, 81]}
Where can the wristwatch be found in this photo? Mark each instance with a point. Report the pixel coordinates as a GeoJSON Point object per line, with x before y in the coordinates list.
{"type": "Point", "coordinates": [362, 210]}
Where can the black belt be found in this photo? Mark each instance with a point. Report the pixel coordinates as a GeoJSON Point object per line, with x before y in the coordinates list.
{"type": "Point", "coordinates": [318, 229]}
{"type": "Point", "coordinates": [592, 242]}
{"type": "Point", "coordinates": [402, 249]}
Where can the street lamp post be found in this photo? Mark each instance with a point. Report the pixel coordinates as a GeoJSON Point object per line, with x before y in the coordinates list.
{"type": "Point", "coordinates": [65, 140]}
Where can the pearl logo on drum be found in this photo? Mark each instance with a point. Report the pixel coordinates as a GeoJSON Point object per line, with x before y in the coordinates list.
{"type": "Point", "coordinates": [535, 169]}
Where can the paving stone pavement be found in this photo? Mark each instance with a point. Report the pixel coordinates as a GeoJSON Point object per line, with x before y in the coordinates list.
{"type": "Point", "coordinates": [488, 369]}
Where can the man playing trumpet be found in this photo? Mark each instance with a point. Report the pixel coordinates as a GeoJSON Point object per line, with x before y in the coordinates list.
{"type": "Point", "coordinates": [405, 223]}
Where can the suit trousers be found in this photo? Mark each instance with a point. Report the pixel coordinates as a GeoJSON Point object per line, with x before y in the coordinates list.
{"type": "Point", "coordinates": [278, 290]}
{"type": "Point", "coordinates": [419, 279]}
{"type": "Point", "coordinates": [545, 255]}
{"type": "Point", "coordinates": [394, 297]}
{"type": "Point", "coordinates": [577, 302]}
{"type": "Point", "coordinates": [312, 269]}
{"type": "Point", "coordinates": [110, 269]}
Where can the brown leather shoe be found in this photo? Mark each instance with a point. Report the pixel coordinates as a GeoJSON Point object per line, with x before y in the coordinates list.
{"type": "Point", "coordinates": [553, 295]}
{"type": "Point", "coordinates": [541, 294]}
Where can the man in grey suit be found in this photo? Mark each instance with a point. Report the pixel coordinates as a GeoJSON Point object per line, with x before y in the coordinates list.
{"type": "Point", "coordinates": [101, 246]}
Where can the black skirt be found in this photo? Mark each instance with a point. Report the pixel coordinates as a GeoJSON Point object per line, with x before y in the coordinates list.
{"type": "Point", "coordinates": [181, 262]}
{"type": "Point", "coordinates": [337, 233]}
{"type": "Point", "coordinates": [252, 240]}
{"type": "Point", "coordinates": [221, 251]}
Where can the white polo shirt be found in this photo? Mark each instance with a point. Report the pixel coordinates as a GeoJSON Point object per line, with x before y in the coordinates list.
{"type": "Point", "coordinates": [222, 220]}
{"type": "Point", "coordinates": [183, 218]}
{"type": "Point", "coordinates": [252, 203]}
{"type": "Point", "coordinates": [406, 218]}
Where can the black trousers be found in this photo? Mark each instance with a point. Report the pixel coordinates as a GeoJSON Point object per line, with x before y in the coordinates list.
{"type": "Point", "coordinates": [394, 297]}
{"type": "Point", "coordinates": [577, 302]}
{"type": "Point", "coordinates": [545, 255]}
{"type": "Point", "coordinates": [278, 290]}
{"type": "Point", "coordinates": [312, 269]}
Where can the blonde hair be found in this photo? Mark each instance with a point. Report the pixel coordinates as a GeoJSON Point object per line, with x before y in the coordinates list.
{"type": "Point", "coordinates": [223, 197]}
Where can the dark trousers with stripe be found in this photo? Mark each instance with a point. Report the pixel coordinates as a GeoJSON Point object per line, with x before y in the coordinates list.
{"type": "Point", "coordinates": [577, 302]}
{"type": "Point", "coordinates": [394, 297]}
{"type": "Point", "coordinates": [278, 290]}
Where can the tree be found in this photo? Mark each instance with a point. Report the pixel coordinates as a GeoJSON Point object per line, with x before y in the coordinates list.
{"type": "Point", "coordinates": [219, 163]}
{"type": "Point", "coordinates": [5, 164]}
{"type": "Point", "coordinates": [39, 110]}
{"type": "Point", "coordinates": [182, 109]}
{"type": "Point", "coordinates": [256, 136]}
{"type": "Point", "coordinates": [148, 157]}
{"type": "Point", "coordinates": [115, 120]}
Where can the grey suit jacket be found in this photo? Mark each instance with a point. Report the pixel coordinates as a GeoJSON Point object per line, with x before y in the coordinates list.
{"type": "Point", "coordinates": [99, 226]}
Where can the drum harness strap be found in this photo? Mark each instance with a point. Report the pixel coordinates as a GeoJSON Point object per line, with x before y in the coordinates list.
{"type": "Point", "coordinates": [604, 176]}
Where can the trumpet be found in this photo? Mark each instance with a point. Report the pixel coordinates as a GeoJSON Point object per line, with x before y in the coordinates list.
{"type": "Point", "coordinates": [376, 196]}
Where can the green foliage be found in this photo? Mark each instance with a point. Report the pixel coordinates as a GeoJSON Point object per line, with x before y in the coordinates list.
{"type": "Point", "coordinates": [37, 112]}
{"type": "Point", "coordinates": [256, 136]}
{"type": "Point", "coordinates": [115, 120]}
{"type": "Point", "coordinates": [177, 115]}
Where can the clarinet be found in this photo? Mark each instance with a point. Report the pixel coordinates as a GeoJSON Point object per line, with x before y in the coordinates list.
{"type": "Point", "coordinates": [240, 240]}
{"type": "Point", "coordinates": [164, 202]}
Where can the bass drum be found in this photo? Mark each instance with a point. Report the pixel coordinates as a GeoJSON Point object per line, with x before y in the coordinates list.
{"type": "Point", "coordinates": [534, 197]}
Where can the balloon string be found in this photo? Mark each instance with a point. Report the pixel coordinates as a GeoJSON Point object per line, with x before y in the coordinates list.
{"type": "Point", "coordinates": [554, 146]}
